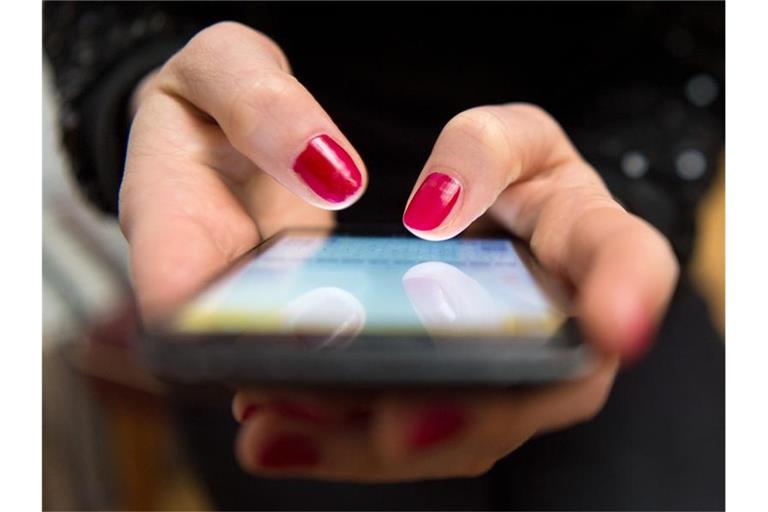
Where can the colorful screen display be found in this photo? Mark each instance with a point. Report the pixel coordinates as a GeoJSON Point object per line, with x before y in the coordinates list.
{"type": "Point", "coordinates": [336, 287]}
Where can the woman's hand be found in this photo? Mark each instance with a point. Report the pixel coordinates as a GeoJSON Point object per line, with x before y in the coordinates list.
{"type": "Point", "coordinates": [514, 163]}
{"type": "Point", "coordinates": [226, 148]}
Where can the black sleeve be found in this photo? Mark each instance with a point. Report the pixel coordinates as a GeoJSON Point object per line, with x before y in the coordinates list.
{"type": "Point", "coordinates": [98, 52]}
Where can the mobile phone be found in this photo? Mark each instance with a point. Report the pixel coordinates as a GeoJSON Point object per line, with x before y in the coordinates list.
{"type": "Point", "coordinates": [373, 307]}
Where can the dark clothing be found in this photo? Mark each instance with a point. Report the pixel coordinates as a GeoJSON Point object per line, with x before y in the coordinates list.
{"type": "Point", "coordinates": [639, 88]}
{"type": "Point", "coordinates": [615, 76]}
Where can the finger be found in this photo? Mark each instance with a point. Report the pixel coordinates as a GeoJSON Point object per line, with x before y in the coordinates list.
{"type": "Point", "coordinates": [273, 445]}
{"type": "Point", "coordinates": [624, 271]}
{"type": "Point", "coordinates": [446, 299]}
{"type": "Point", "coordinates": [241, 79]}
{"type": "Point", "coordinates": [409, 436]}
{"type": "Point", "coordinates": [517, 160]}
{"type": "Point", "coordinates": [274, 442]}
{"type": "Point", "coordinates": [471, 430]}
{"type": "Point", "coordinates": [181, 220]}
{"type": "Point", "coordinates": [477, 155]}
{"type": "Point", "coordinates": [322, 408]}
{"type": "Point", "coordinates": [320, 434]}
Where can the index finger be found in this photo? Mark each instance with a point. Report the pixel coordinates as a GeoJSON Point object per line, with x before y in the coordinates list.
{"type": "Point", "coordinates": [240, 78]}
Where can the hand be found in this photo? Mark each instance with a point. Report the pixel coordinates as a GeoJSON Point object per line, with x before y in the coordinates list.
{"type": "Point", "coordinates": [515, 164]}
{"type": "Point", "coordinates": [226, 148]}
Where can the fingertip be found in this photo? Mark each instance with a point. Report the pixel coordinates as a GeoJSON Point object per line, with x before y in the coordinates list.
{"type": "Point", "coordinates": [618, 321]}
{"type": "Point", "coordinates": [431, 236]}
{"type": "Point", "coordinates": [431, 206]}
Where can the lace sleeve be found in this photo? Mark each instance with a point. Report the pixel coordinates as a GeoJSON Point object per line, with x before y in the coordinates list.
{"type": "Point", "coordinates": [98, 53]}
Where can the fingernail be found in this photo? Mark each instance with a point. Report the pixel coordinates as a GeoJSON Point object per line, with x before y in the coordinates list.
{"type": "Point", "coordinates": [301, 412]}
{"type": "Point", "coordinates": [435, 425]}
{"type": "Point", "coordinates": [250, 411]}
{"type": "Point", "coordinates": [432, 202]}
{"type": "Point", "coordinates": [328, 170]}
{"type": "Point", "coordinates": [289, 451]}
{"type": "Point", "coordinates": [640, 341]}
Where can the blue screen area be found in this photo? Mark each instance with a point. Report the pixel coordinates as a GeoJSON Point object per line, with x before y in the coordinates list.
{"type": "Point", "coordinates": [339, 286]}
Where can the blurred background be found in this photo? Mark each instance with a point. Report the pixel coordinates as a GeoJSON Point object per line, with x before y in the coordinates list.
{"type": "Point", "coordinates": [110, 439]}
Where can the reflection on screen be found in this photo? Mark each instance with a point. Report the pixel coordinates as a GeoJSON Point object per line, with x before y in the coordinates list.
{"type": "Point", "coordinates": [337, 287]}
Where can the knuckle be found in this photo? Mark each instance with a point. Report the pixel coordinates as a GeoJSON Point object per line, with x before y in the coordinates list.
{"type": "Point", "coordinates": [563, 217]}
{"type": "Point", "coordinates": [223, 35]}
{"type": "Point", "coordinates": [267, 87]}
{"type": "Point", "coordinates": [551, 233]}
{"type": "Point", "coordinates": [481, 126]}
{"type": "Point", "coordinates": [534, 119]}
{"type": "Point", "coordinates": [219, 39]}
{"type": "Point", "coordinates": [533, 112]}
{"type": "Point", "coordinates": [260, 93]}
{"type": "Point", "coordinates": [209, 41]}
{"type": "Point", "coordinates": [220, 33]}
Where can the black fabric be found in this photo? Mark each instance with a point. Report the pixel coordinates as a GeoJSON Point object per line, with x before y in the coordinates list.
{"type": "Point", "coordinates": [99, 51]}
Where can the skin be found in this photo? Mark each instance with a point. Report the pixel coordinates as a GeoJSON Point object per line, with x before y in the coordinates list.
{"type": "Point", "coordinates": [208, 176]}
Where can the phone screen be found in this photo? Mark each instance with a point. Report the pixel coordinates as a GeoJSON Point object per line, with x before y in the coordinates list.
{"type": "Point", "coordinates": [336, 287]}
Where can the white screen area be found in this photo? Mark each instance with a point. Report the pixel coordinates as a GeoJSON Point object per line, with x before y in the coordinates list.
{"type": "Point", "coordinates": [338, 286]}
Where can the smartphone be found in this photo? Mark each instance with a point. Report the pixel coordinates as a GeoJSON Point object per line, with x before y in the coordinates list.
{"type": "Point", "coordinates": [373, 307]}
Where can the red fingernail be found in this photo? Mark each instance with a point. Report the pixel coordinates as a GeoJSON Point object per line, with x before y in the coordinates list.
{"type": "Point", "coordinates": [301, 412]}
{"type": "Point", "coordinates": [640, 341]}
{"type": "Point", "coordinates": [289, 451]}
{"type": "Point", "coordinates": [432, 202]}
{"type": "Point", "coordinates": [250, 410]}
{"type": "Point", "coordinates": [328, 169]}
{"type": "Point", "coordinates": [435, 425]}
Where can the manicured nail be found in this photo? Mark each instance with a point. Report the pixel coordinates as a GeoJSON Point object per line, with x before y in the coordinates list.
{"type": "Point", "coordinates": [289, 451]}
{"type": "Point", "coordinates": [328, 169]}
{"type": "Point", "coordinates": [301, 412]}
{"type": "Point", "coordinates": [435, 425]}
{"type": "Point", "coordinates": [249, 411]}
{"type": "Point", "coordinates": [432, 202]}
{"type": "Point", "coordinates": [641, 336]}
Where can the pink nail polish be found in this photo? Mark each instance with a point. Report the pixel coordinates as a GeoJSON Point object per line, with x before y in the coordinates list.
{"type": "Point", "coordinates": [435, 425]}
{"type": "Point", "coordinates": [250, 411]}
{"type": "Point", "coordinates": [301, 412]}
{"type": "Point", "coordinates": [640, 341]}
{"type": "Point", "coordinates": [432, 202]}
{"type": "Point", "coordinates": [328, 170]}
{"type": "Point", "coordinates": [289, 451]}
